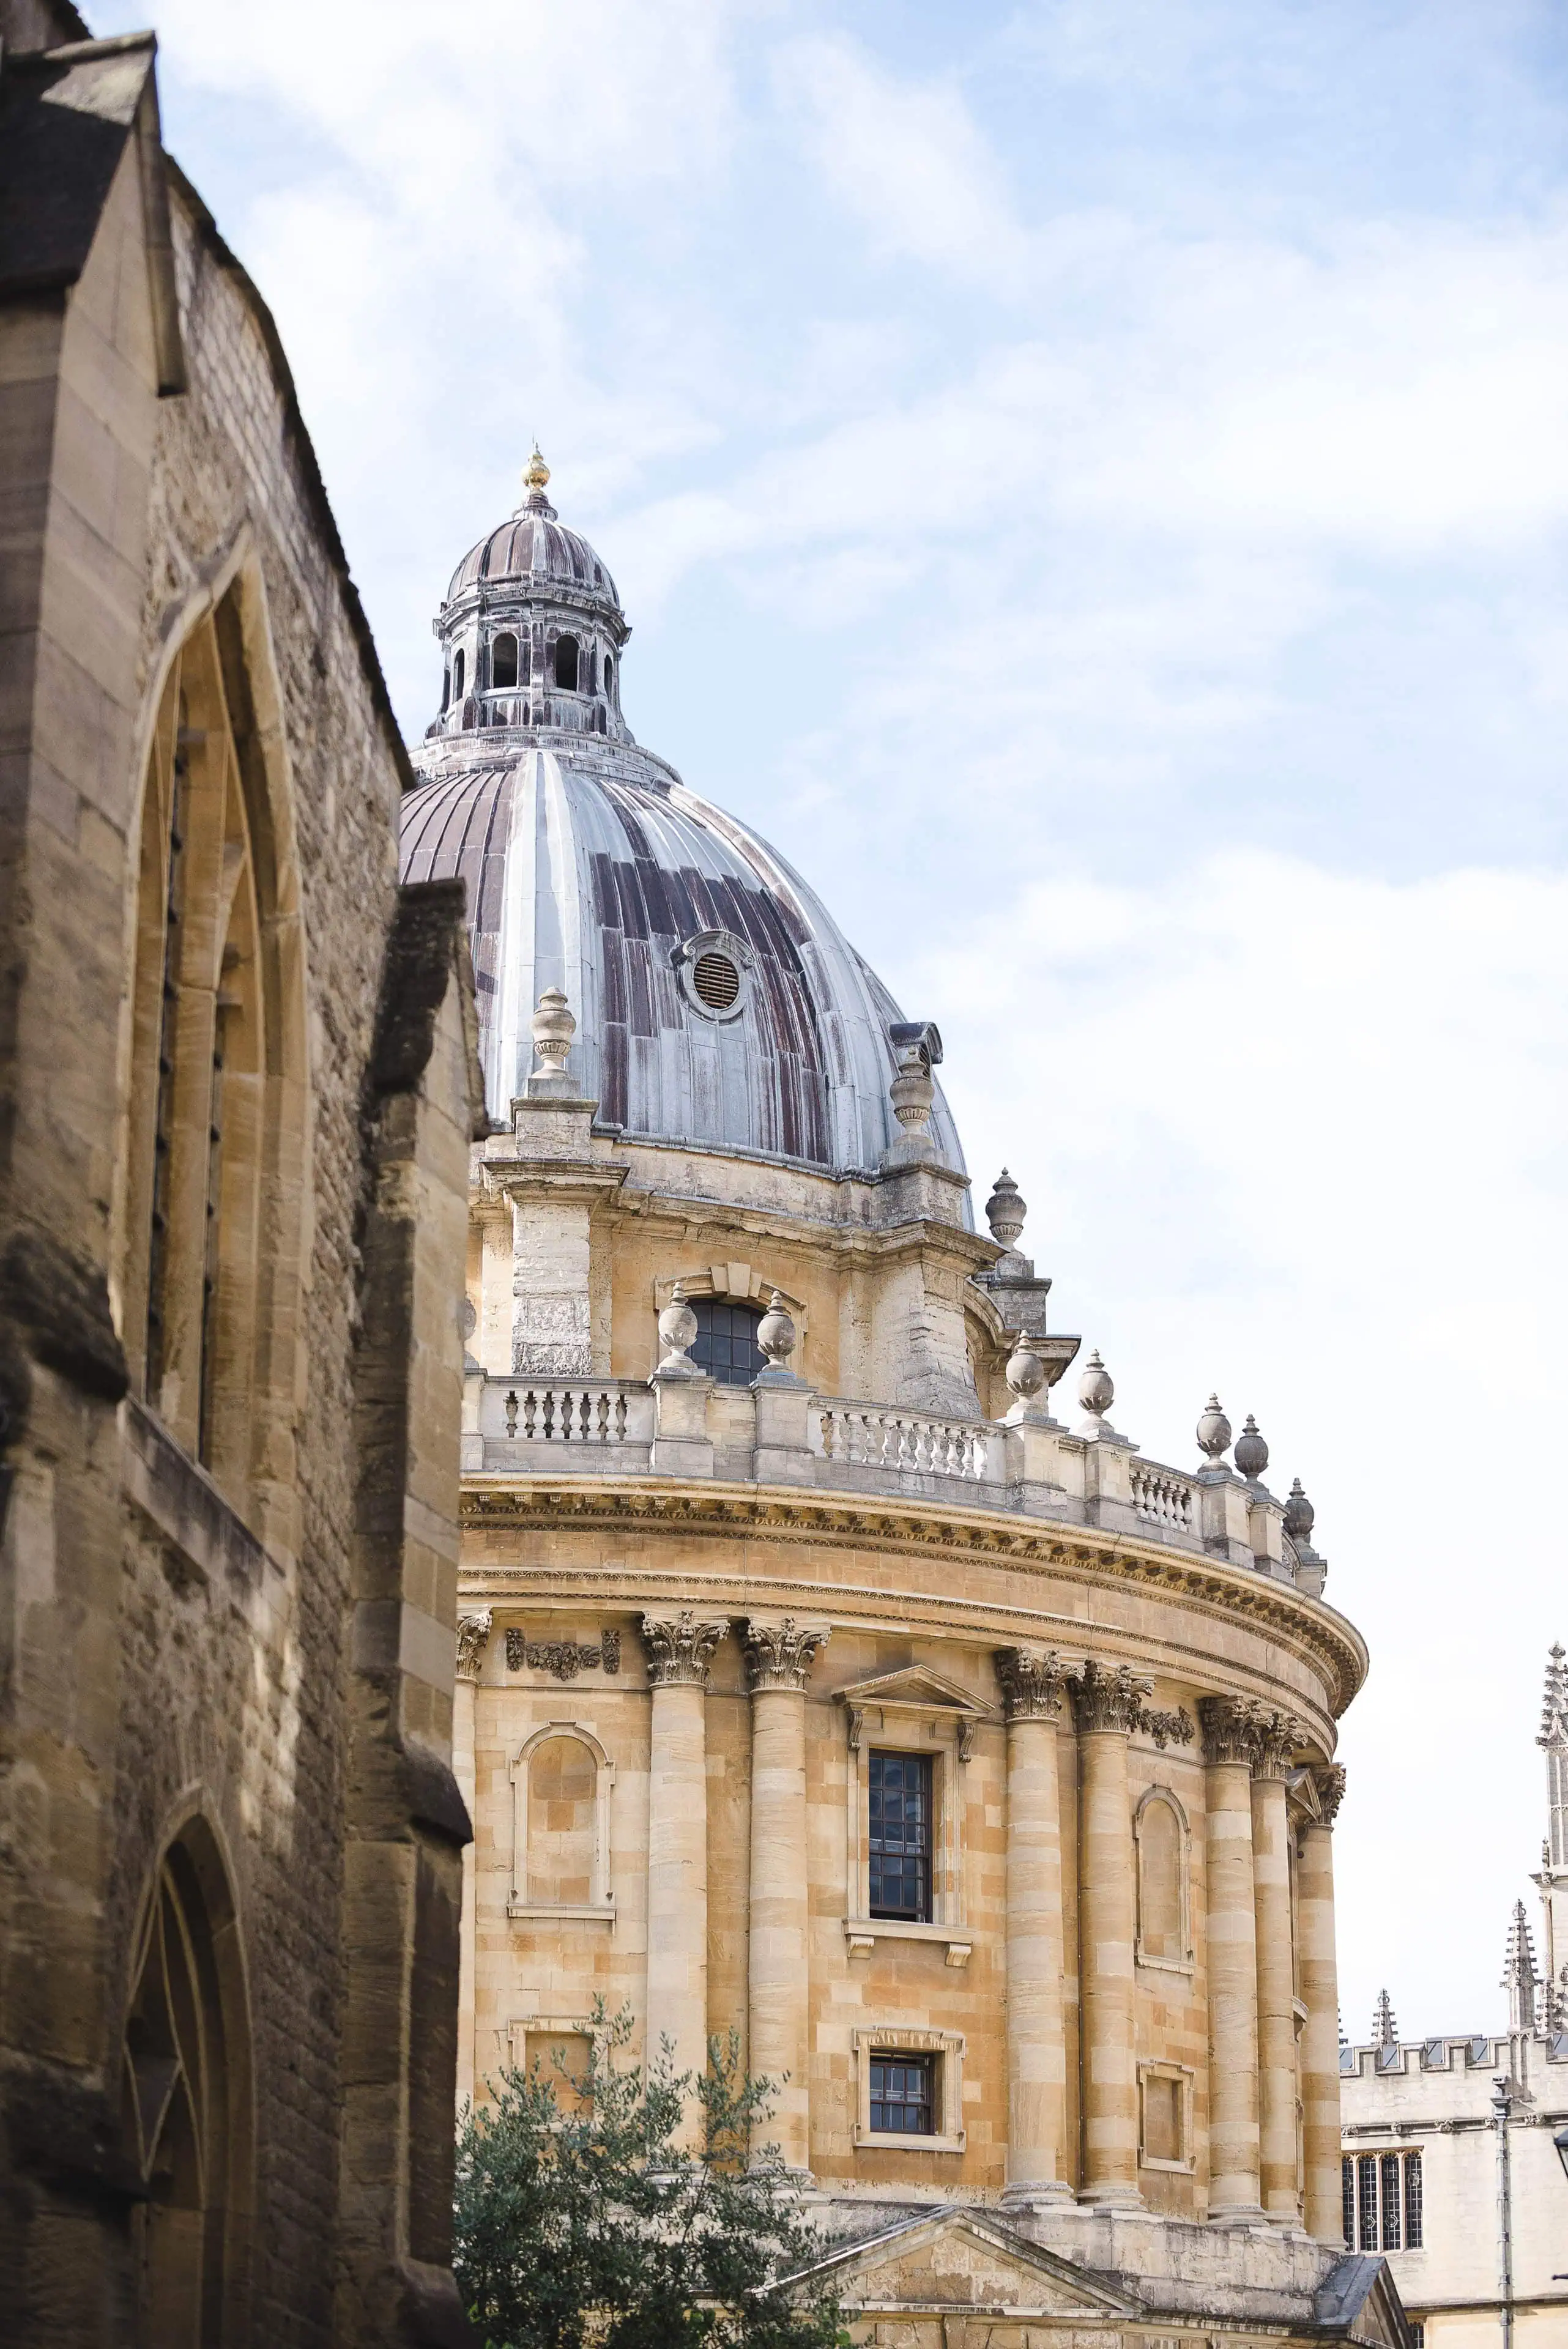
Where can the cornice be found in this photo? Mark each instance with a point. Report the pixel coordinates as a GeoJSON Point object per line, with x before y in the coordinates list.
{"type": "Point", "coordinates": [722, 1512]}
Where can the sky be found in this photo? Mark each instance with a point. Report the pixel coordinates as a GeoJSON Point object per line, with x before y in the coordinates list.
{"type": "Point", "coordinates": [1089, 480]}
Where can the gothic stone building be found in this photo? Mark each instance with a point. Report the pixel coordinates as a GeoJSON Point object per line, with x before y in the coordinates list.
{"type": "Point", "coordinates": [818, 1679]}
{"type": "Point", "coordinates": [237, 1093]}
{"type": "Point", "coordinates": [1450, 2162]}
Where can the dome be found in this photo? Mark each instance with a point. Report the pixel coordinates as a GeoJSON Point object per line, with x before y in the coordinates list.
{"type": "Point", "coordinates": [719, 1005]}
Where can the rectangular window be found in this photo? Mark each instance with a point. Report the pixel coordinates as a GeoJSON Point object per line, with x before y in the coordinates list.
{"type": "Point", "coordinates": [1162, 2118]}
{"type": "Point", "coordinates": [902, 2103]}
{"type": "Point", "coordinates": [901, 1839]}
{"type": "Point", "coordinates": [1412, 2201]}
{"type": "Point", "coordinates": [1390, 2167]}
{"type": "Point", "coordinates": [1366, 2202]}
{"type": "Point", "coordinates": [1347, 2189]}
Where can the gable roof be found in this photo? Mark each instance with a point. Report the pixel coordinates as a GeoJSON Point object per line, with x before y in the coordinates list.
{"type": "Point", "coordinates": [943, 2261]}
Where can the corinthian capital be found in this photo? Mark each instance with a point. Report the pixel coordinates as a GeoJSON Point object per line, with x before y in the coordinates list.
{"type": "Point", "coordinates": [1230, 1728]}
{"type": "Point", "coordinates": [1031, 1684]}
{"type": "Point", "coordinates": [472, 1635]}
{"type": "Point", "coordinates": [1329, 1780]}
{"type": "Point", "coordinates": [778, 1655]}
{"type": "Point", "coordinates": [1275, 1738]}
{"type": "Point", "coordinates": [680, 1652]}
{"type": "Point", "coordinates": [1107, 1696]}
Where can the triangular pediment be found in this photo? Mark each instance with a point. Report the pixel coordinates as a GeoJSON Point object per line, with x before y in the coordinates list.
{"type": "Point", "coordinates": [1302, 1788]}
{"type": "Point", "coordinates": [952, 2262]}
{"type": "Point", "coordinates": [917, 1689]}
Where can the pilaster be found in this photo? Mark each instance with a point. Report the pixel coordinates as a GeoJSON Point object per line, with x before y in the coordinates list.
{"type": "Point", "coordinates": [1033, 1687]}
{"type": "Point", "coordinates": [1228, 1735]}
{"type": "Point", "coordinates": [1320, 1995]}
{"type": "Point", "coordinates": [679, 1651]}
{"type": "Point", "coordinates": [778, 1660]}
{"type": "Point", "coordinates": [1107, 1701]}
{"type": "Point", "coordinates": [1274, 1739]}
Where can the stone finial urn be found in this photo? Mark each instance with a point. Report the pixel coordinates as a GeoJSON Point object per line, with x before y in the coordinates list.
{"type": "Point", "coordinates": [1300, 1516]}
{"type": "Point", "coordinates": [912, 1093]}
{"type": "Point", "coordinates": [1251, 1452]}
{"type": "Point", "coordinates": [1213, 1430]}
{"type": "Point", "coordinates": [554, 1027]}
{"type": "Point", "coordinates": [1096, 1390]}
{"type": "Point", "coordinates": [776, 1334]}
{"type": "Point", "coordinates": [1005, 1210]}
{"type": "Point", "coordinates": [1026, 1372]}
{"type": "Point", "coordinates": [677, 1328]}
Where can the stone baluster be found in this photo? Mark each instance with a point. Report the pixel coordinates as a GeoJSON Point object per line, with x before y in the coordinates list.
{"type": "Point", "coordinates": [1230, 1725]}
{"type": "Point", "coordinates": [473, 1636]}
{"type": "Point", "coordinates": [1033, 1687]}
{"type": "Point", "coordinates": [680, 1652]}
{"type": "Point", "coordinates": [778, 1659]}
{"type": "Point", "coordinates": [1320, 1995]}
{"type": "Point", "coordinates": [1276, 1737]}
{"type": "Point", "coordinates": [1106, 1702]}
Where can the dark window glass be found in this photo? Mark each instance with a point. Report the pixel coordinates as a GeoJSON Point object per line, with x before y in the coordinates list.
{"type": "Point", "coordinates": [901, 2095]}
{"type": "Point", "coordinates": [1390, 2203]}
{"type": "Point", "coordinates": [1347, 2191]}
{"type": "Point", "coordinates": [457, 677]}
{"type": "Point", "coordinates": [726, 1344]}
{"type": "Point", "coordinates": [901, 1822]}
{"type": "Point", "coordinates": [1366, 2201]}
{"type": "Point", "coordinates": [1412, 2201]}
{"type": "Point", "coordinates": [503, 664]}
{"type": "Point", "coordinates": [567, 663]}
{"type": "Point", "coordinates": [445, 686]}
{"type": "Point", "coordinates": [609, 673]}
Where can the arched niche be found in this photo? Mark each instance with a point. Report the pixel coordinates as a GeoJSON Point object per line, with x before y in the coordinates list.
{"type": "Point", "coordinates": [562, 1779]}
{"type": "Point", "coordinates": [186, 2074]}
{"type": "Point", "coordinates": [1162, 1841]}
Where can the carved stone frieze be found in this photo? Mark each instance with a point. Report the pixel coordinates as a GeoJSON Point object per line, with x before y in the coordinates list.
{"type": "Point", "coordinates": [473, 1636]}
{"type": "Point", "coordinates": [563, 1659]}
{"type": "Point", "coordinates": [1329, 1780]}
{"type": "Point", "coordinates": [1033, 1683]}
{"type": "Point", "coordinates": [779, 1655]}
{"type": "Point", "coordinates": [681, 1651]}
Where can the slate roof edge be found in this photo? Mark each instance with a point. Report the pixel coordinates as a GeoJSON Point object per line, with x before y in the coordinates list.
{"type": "Point", "coordinates": [296, 432]}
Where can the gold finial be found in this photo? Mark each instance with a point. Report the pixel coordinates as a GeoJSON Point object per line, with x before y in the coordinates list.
{"type": "Point", "coordinates": [536, 473]}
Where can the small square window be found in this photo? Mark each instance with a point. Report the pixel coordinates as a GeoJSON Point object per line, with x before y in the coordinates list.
{"type": "Point", "coordinates": [902, 2097]}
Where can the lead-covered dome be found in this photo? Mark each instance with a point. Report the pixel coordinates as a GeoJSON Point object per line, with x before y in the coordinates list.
{"type": "Point", "coordinates": [719, 1005]}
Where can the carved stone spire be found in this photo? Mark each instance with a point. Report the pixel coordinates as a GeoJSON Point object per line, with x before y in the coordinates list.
{"type": "Point", "coordinates": [679, 1651]}
{"type": "Point", "coordinates": [1385, 2030]}
{"type": "Point", "coordinates": [1032, 1685]}
{"type": "Point", "coordinates": [473, 1636]}
{"type": "Point", "coordinates": [1520, 1978]}
{"type": "Point", "coordinates": [779, 1655]}
{"type": "Point", "coordinates": [1554, 1741]}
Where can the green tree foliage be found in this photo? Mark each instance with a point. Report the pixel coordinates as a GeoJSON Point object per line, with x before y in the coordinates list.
{"type": "Point", "coordinates": [579, 2221]}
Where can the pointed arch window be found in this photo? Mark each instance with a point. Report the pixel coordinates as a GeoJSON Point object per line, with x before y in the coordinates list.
{"type": "Point", "coordinates": [567, 663]}
{"type": "Point", "coordinates": [504, 662]}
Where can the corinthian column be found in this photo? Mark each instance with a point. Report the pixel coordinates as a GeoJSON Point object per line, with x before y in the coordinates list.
{"type": "Point", "coordinates": [1320, 1995]}
{"type": "Point", "coordinates": [778, 1658]}
{"type": "Point", "coordinates": [1107, 1705]}
{"type": "Point", "coordinates": [1230, 1728]}
{"type": "Point", "coordinates": [679, 1655]}
{"type": "Point", "coordinates": [472, 1634]}
{"type": "Point", "coordinates": [1032, 1691]}
{"type": "Point", "coordinates": [1277, 1736]}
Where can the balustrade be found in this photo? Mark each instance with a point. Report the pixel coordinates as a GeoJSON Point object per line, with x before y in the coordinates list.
{"type": "Point", "coordinates": [865, 1437]}
{"type": "Point", "coordinates": [1162, 1498]}
{"type": "Point", "coordinates": [602, 1413]}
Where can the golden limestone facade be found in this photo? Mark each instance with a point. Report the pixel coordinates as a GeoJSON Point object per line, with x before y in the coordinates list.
{"type": "Point", "coordinates": [821, 1677]}
{"type": "Point", "coordinates": [238, 1089]}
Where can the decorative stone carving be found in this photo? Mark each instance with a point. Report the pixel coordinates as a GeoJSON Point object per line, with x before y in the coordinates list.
{"type": "Point", "coordinates": [554, 1028]}
{"type": "Point", "coordinates": [1026, 1372]}
{"type": "Point", "coordinates": [775, 1334]}
{"type": "Point", "coordinates": [1275, 1736]}
{"type": "Point", "coordinates": [1176, 1728]}
{"type": "Point", "coordinates": [1300, 1515]}
{"type": "Point", "coordinates": [679, 1651]}
{"type": "Point", "coordinates": [1213, 1430]}
{"type": "Point", "coordinates": [779, 1655]}
{"type": "Point", "coordinates": [1328, 1778]}
{"type": "Point", "coordinates": [563, 1659]}
{"type": "Point", "coordinates": [473, 1636]}
{"type": "Point", "coordinates": [912, 1093]}
{"type": "Point", "coordinates": [677, 1328]}
{"type": "Point", "coordinates": [1107, 1696]}
{"type": "Point", "coordinates": [1096, 1390]}
{"type": "Point", "coordinates": [1251, 1452]}
{"type": "Point", "coordinates": [1230, 1728]}
{"type": "Point", "coordinates": [1032, 1685]}
{"type": "Point", "coordinates": [1005, 1210]}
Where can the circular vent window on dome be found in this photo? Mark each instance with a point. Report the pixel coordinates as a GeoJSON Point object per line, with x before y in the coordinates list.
{"type": "Point", "coordinates": [717, 980]}
{"type": "Point", "coordinates": [715, 973]}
